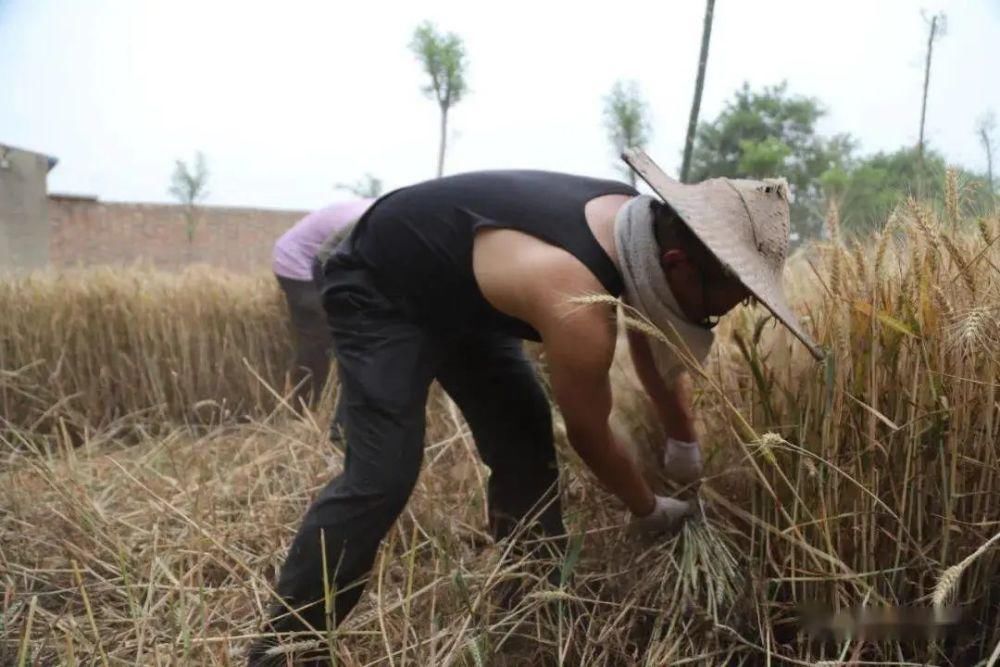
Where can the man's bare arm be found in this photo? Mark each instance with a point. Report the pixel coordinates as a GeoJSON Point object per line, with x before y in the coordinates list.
{"type": "Point", "coordinates": [579, 347]}
{"type": "Point", "coordinates": [672, 403]}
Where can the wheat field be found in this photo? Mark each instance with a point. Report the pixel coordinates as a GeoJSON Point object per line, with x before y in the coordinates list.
{"type": "Point", "coordinates": [153, 475]}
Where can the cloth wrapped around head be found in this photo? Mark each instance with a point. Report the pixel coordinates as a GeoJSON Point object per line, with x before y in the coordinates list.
{"type": "Point", "coordinates": [647, 290]}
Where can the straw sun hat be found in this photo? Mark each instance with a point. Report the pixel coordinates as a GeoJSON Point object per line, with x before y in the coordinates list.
{"type": "Point", "coordinates": [743, 223]}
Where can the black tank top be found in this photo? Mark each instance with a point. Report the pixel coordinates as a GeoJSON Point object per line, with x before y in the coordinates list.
{"type": "Point", "coordinates": [417, 241]}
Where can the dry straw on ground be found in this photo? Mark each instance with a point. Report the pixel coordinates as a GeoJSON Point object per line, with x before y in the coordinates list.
{"type": "Point", "coordinates": [860, 480]}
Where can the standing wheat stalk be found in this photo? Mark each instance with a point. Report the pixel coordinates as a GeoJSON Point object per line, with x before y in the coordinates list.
{"type": "Point", "coordinates": [836, 270]}
{"type": "Point", "coordinates": [964, 270]}
{"type": "Point", "coordinates": [928, 234]}
{"type": "Point", "coordinates": [838, 283]}
{"type": "Point", "coordinates": [951, 197]}
{"type": "Point", "coordinates": [860, 263]}
{"type": "Point", "coordinates": [984, 229]}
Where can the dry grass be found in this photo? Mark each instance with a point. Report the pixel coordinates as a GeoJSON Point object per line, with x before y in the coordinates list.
{"type": "Point", "coordinates": [857, 481]}
{"type": "Point", "coordinates": [162, 552]}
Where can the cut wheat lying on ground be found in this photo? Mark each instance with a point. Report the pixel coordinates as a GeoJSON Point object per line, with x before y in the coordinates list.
{"type": "Point", "coordinates": [870, 479]}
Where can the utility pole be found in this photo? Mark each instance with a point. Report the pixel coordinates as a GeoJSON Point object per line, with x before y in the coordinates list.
{"type": "Point", "coordinates": [936, 29]}
{"type": "Point", "coordinates": [699, 84]}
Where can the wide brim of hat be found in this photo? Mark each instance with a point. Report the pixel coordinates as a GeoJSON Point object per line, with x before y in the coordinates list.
{"type": "Point", "coordinates": [704, 207]}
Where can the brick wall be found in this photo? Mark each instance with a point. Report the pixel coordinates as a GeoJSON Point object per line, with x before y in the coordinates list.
{"type": "Point", "coordinates": [85, 231]}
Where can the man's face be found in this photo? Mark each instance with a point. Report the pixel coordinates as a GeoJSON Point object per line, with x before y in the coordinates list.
{"type": "Point", "coordinates": [703, 288]}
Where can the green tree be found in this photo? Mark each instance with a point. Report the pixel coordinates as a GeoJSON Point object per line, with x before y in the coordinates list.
{"type": "Point", "coordinates": [443, 58]}
{"type": "Point", "coordinates": [368, 186]}
{"type": "Point", "coordinates": [871, 187]}
{"type": "Point", "coordinates": [190, 186]}
{"type": "Point", "coordinates": [767, 133]}
{"type": "Point", "coordinates": [626, 118]}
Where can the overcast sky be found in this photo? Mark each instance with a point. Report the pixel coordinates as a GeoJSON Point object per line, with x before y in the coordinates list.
{"type": "Point", "coordinates": [288, 98]}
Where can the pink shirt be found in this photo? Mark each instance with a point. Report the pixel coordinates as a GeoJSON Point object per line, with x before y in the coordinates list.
{"type": "Point", "coordinates": [295, 250]}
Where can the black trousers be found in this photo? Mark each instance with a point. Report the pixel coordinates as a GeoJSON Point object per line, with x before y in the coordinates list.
{"type": "Point", "coordinates": [311, 338]}
{"type": "Point", "coordinates": [386, 362]}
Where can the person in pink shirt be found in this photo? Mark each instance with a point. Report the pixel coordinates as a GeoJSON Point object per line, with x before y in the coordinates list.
{"type": "Point", "coordinates": [294, 258]}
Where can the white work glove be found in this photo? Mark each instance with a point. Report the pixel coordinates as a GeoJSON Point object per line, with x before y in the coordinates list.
{"type": "Point", "coordinates": [668, 514]}
{"type": "Point", "coordinates": [682, 461]}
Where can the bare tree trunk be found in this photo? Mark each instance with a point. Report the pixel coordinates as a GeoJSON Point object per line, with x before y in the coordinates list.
{"type": "Point", "coordinates": [927, 81]}
{"type": "Point", "coordinates": [987, 144]}
{"type": "Point", "coordinates": [706, 35]}
{"type": "Point", "coordinates": [989, 167]}
{"type": "Point", "coordinates": [444, 136]}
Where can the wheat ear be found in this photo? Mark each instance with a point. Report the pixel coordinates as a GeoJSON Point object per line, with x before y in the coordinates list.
{"type": "Point", "coordinates": [949, 578]}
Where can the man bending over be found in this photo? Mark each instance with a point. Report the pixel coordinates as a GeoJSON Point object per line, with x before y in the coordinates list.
{"type": "Point", "coordinates": [442, 280]}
